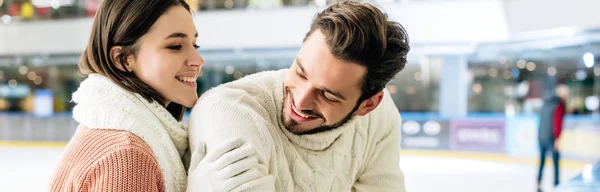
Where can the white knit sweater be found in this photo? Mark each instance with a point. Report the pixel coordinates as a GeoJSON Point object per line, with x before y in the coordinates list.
{"type": "Point", "coordinates": [362, 155]}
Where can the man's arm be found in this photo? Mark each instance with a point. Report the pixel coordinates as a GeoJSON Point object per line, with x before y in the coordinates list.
{"type": "Point", "coordinates": [559, 114]}
{"type": "Point", "coordinates": [382, 169]}
{"type": "Point", "coordinates": [214, 120]}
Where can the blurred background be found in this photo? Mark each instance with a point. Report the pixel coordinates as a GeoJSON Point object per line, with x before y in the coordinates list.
{"type": "Point", "coordinates": [477, 75]}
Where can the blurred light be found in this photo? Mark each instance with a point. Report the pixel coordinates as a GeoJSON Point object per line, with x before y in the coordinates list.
{"type": "Point", "coordinates": [23, 70]}
{"type": "Point", "coordinates": [523, 88]}
{"type": "Point", "coordinates": [510, 110]}
{"type": "Point", "coordinates": [3, 102]}
{"type": "Point", "coordinates": [580, 74]}
{"type": "Point", "coordinates": [588, 59]}
{"type": "Point", "coordinates": [551, 71]}
{"type": "Point", "coordinates": [521, 64]}
{"type": "Point", "coordinates": [31, 75]}
{"type": "Point", "coordinates": [229, 69]}
{"type": "Point", "coordinates": [502, 60]}
{"type": "Point", "coordinates": [592, 103]}
{"type": "Point", "coordinates": [410, 90]}
{"type": "Point", "coordinates": [477, 88]}
{"type": "Point", "coordinates": [27, 10]}
{"type": "Point", "coordinates": [417, 76]}
{"type": "Point", "coordinates": [55, 4]}
{"type": "Point", "coordinates": [597, 71]}
{"type": "Point", "coordinates": [38, 80]}
{"type": "Point", "coordinates": [6, 19]}
{"type": "Point", "coordinates": [52, 3]}
{"type": "Point", "coordinates": [515, 73]}
{"type": "Point", "coordinates": [229, 4]}
{"type": "Point", "coordinates": [432, 128]}
{"type": "Point", "coordinates": [587, 174]}
{"type": "Point", "coordinates": [411, 127]}
{"type": "Point", "coordinates": [530, 66]}
{"type": "Point", "coordinates": [12, 83]}
{"type": "Point", "coordinates": [506, 74]}
{"type": "Point", "coordinates": [321, 3]}
{"type": "Point", "coordinates": [493, 72]}
{"type": "Point", "coordinates": [392, 89]}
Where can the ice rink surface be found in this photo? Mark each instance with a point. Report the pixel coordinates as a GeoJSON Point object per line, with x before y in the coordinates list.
{"type": "Point", "coordinates": [30, 169]}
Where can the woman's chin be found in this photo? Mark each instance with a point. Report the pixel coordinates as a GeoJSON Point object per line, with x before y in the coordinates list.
{"type": "Point", "coordinates": [189, 103]}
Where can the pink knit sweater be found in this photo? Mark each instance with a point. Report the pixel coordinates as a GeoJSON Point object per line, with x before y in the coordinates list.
{"type": "Point", "coordinates": [107, 160]}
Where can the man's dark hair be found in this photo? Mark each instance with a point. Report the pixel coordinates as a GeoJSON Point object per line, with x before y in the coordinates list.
{"type": "Point", "coordinates": [361, 33]}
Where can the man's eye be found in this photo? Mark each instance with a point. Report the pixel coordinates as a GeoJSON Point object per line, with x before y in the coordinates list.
{"type": "Point", "coordinates": [328, 97]}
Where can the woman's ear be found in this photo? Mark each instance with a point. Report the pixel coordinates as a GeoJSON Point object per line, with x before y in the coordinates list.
{"type": "Point", "coordinates": [123, 64]}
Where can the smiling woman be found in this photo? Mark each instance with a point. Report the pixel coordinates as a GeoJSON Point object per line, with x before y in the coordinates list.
{"type": "Point", "coordinates": [141, 67]}
{"type": "Point", "coordinates": [142, 64]}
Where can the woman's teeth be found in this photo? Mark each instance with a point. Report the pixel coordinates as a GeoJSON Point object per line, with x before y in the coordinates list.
{"type": "Point", "coordinates": [187, 79]}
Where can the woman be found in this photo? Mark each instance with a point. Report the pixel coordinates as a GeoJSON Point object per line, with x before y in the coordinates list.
{"type": "Point", "coordinates": [143, 63]}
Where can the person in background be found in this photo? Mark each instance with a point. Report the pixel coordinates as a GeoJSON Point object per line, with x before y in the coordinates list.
{"type": "Point", "coordinates": [551, 119]}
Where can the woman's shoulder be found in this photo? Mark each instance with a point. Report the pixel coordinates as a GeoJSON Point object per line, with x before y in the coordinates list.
{"type": "Point", "coordinates": [106, 140]}
{"type": "Point", "coordinates": [112, 152]}
{"type": "Point", "coordinates": [92, 145]}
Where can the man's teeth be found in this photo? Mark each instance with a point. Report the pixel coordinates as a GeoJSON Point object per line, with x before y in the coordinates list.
{"type": "Point", "coordinates": [300, 113]}
{"type": "Point", "coordinates": [187, 79]}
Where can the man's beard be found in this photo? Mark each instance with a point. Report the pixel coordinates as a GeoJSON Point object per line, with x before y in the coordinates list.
{"type": "Point", "coordinates": [291, 124]}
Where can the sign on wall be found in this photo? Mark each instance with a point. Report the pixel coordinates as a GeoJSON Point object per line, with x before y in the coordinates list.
{"type": "Point", "coordinates": [477, 135]}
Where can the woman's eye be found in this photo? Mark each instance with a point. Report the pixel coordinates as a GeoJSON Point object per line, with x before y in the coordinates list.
{"type": "Point", "coordinates": [175, 47]}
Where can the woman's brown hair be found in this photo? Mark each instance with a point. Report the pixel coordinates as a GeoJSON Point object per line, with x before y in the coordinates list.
{"type": "Point", "coordinates": [123, 23]}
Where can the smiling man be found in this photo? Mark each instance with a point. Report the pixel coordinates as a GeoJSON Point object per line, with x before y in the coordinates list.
{"type": "Point", "coordinates": [326, 123]}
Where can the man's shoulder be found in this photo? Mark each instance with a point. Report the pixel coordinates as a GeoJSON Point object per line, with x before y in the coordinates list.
{"type": "Point", "coordinates": [258, 86]}
{"type": "Point", "coordinates": [252, 96]}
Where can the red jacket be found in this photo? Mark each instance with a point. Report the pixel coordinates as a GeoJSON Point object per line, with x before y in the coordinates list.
{"type": "Point", "coordinates": [559, 113]}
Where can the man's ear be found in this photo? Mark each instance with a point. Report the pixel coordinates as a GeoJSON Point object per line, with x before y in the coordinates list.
{"type": "Point", "coordinates": [126, 65]}
{"type": "Point", "coordinates": [370, 104]}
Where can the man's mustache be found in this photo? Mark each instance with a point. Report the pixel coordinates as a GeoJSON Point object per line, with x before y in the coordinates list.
{"type": "Point", "coordinates": [312, 113]}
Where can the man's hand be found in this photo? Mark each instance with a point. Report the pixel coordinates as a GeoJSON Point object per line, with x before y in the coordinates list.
{"type": "Point", "coordinates": [227, 166]}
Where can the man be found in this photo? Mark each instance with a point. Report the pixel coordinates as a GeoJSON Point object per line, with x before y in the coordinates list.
{"type": "Point", "coordinates": [551, 118]}
{"type": "Point", "coordinates": [324, 124]}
